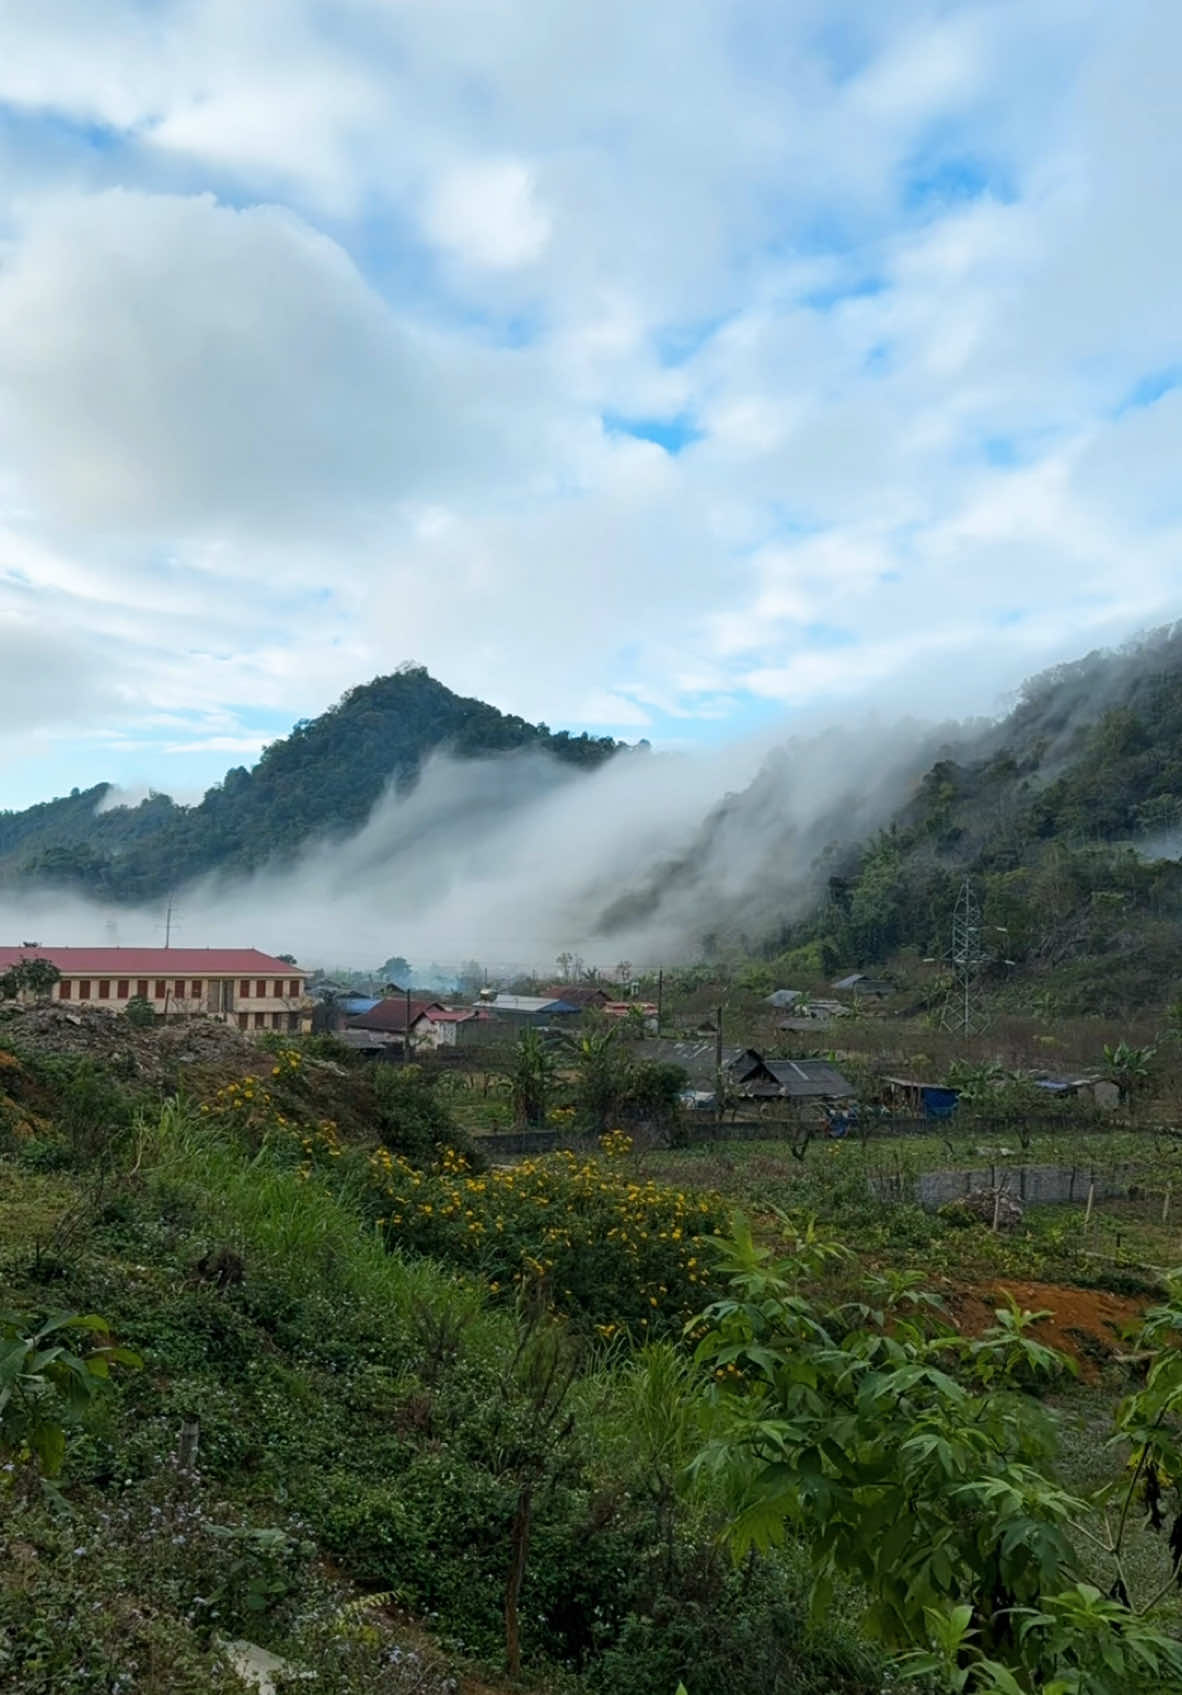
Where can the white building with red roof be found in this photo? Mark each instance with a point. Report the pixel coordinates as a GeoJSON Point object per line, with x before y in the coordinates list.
{"type": "Point", "coordinates": [239, 986]}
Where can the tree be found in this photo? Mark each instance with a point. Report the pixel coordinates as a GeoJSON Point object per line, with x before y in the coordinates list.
{"type": "Point", "coordinates": [395, 970]}
{"type": "Point", "coordinates": [532, 1432]}
{"type": "Point", "coordinates": [47, 1387]}
{"type": "Point", "coordinates": [34, 977]}
{"type": "Point", "coordinates": [913, 1461]}
{"type": "Point", "coordinates": [530, 1072]}
{"type": "Point", "coordinates": [652, 1091]}
{"type": "Point", "coordinates": [1128, 1067]}
{"type": "Point", "coordinates": [600, 1075]}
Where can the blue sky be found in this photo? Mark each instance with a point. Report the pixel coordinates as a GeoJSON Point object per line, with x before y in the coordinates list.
{"type": "Point", "coordinates": [667, 370]}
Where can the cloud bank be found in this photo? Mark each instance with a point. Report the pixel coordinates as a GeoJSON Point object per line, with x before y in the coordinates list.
{"type": "Point", "coordinates": [516, 859]}
{"type": "Point", "coordinates": [645, 368]}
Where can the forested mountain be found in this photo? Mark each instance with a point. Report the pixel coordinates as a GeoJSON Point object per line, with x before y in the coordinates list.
{"type": "Point", "coordinates": [1067, 815]}
{"type": "Point", "coordinates": [321, 780]}
{"type": "Point", "coordinates": [845, 851]}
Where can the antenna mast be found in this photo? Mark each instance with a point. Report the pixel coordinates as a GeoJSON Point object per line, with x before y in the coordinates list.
{"type": "Point", "coordinates": [961, 1011]}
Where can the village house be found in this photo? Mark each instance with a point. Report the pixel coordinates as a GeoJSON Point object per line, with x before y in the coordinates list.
{"type": "Point", "coordinates": [450, 1027]}
{"type": "Point", "coordinates": [385, 1024]}
{"type": "Point", "coordinates": [742, 1068]}
{"type": "Point", "coordinates": [521, 1011]}
{"type": "Point", "coordinates": [644, 1010]}
{"type": "Point", "coordinates": [586, 996]}
{"type": "Point", "coordinates": [810, 1079]}
{"type": "Point", "coordinates": [235, 985]}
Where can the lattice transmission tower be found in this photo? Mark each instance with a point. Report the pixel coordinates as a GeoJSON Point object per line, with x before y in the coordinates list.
{"type": "Point", "coordinates": [962, 1011]}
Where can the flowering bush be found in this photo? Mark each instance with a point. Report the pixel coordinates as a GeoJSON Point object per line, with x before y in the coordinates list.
{"type": "Point", "coordinates": [616, 1144]}
{"type": "Point", "coordinates": [611, 1252]}
{"type": "Point", "coordinates": [250, 1108]}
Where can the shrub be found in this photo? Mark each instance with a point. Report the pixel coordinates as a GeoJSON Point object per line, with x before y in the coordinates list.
{"type": "Point", "coordinates": [743, 1631]}
{"type": "Point", "coordinates": [93, 1113]}
{"type": "Point", "coordinates": [413, 1119]}
{"type": "Point", "coordinates": [139, 1013]}
{"type": "Point", "coordinates": [610, 1251]}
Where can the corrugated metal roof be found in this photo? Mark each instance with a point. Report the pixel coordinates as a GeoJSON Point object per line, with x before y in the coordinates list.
{"type": "Point", "coordinates": [363, 1039]}
{"type": "Point", "coordinates": [802, 1078]}
{"type": "Point", "coordinates": [160, 962]}
{"type": "Point", "coordinates": [530, 1003]}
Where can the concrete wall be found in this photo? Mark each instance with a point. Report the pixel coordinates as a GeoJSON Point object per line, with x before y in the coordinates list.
{"type": "Point", "coordinates": [1033, 1185]}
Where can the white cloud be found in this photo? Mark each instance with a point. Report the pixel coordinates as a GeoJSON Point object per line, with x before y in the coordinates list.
{"type": "Point", "coordinates": [487, 212]}
{"type": "Point", "coordinates": [311, 316]}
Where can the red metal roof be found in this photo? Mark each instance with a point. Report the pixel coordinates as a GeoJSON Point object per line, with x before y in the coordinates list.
{"type": "Point", "coordinates": [448, 1015]}
{"type": "Point", "coordinates": [390, 1014]}
{"type": "Point", "coordinates": [158, 962]}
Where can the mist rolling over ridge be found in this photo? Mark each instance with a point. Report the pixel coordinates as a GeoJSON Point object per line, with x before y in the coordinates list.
{"type": "Point", "coordinates": [409, 820]}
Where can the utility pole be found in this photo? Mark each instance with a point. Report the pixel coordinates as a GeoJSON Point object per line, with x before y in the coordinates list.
{"type": "Point", "coordinates": [660, 997]}
{"type": "Point", "coordinates": [406, 1033]}
{"type": "Point", "coordinates": [718, 1067]}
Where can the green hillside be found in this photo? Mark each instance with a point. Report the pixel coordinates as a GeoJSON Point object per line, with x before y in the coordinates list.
{"type": "Point", "coordinates": [1068, 818]}
{"type": "Point", "coordinates": [322, 779]}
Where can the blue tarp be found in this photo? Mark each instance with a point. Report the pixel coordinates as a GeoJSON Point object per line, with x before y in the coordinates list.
{"type": "Point", "coordinates": [938, 1103]}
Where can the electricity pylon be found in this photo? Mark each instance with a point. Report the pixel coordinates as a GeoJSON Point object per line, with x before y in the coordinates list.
{"type": "Point", "coordinates": [961, 1010]}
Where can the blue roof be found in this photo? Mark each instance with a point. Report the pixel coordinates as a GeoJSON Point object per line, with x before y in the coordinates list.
{"type": "Point", "coordinates": [355, 1004]}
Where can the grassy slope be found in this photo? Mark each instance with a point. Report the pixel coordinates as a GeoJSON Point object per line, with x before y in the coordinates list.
{"type": "Point", "coordinates": [369, 1407]}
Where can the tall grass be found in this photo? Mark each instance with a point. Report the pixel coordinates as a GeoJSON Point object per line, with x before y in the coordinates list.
{"type": "Point", "coordinates": [309, 1232]}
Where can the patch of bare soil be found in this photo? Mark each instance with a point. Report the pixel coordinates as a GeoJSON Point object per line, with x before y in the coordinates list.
{"type": "Point", "coordinates": [1091, 1325]}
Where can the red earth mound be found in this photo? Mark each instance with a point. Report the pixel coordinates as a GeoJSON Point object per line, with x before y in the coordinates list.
{"type": "Point", "coordinates": [1089, 1324]}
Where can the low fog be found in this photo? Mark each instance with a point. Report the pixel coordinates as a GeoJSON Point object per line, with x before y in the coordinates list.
{"type": "Point", "coordinates": [515, 859]}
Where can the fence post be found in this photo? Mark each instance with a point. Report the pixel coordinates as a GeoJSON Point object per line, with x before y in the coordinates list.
{"type": "Point", "coordinates": [186, 1448]}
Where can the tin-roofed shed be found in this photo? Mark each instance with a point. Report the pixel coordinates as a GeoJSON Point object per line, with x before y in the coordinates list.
{"type": "Point", "coordinates": [810, 1079]}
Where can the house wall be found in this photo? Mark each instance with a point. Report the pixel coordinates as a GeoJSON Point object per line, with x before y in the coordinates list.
{"type": "Point", "coordinates": [254, 1003]}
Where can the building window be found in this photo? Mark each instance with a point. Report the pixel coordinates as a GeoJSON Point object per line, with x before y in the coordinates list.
{"type": "Point", "coordinates": [244, 988]}
{"type": "Point", "coordinates": [243, 1020]}
{"type": "Point", "coordinates": [141, 987]}
{"type": "Point", "coordinates": [278, 990]}
{"type": "Point", "coordinates": [104, 988]}
{"type": "Point", "coordinates": [260, 988]}
{"type": "Point", "coordinates": [178, 989]}
{"type": "Point", "coordinates": [197, 988]}
{"type": "Point", "coordinates": [293, 1021]}
{"type": "Point", "coordinates": [260, 1018]}
{"type": "Point", "coordinates": [161, 989]}
{"type": "Point", "coordinates": [63, 989]}
{"type": "Point", "coordinates": [293, 988]}
{"type": "Point", "coordinates": [122, 988]}
{"type": "Point", "coordinates": [84, 988]}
